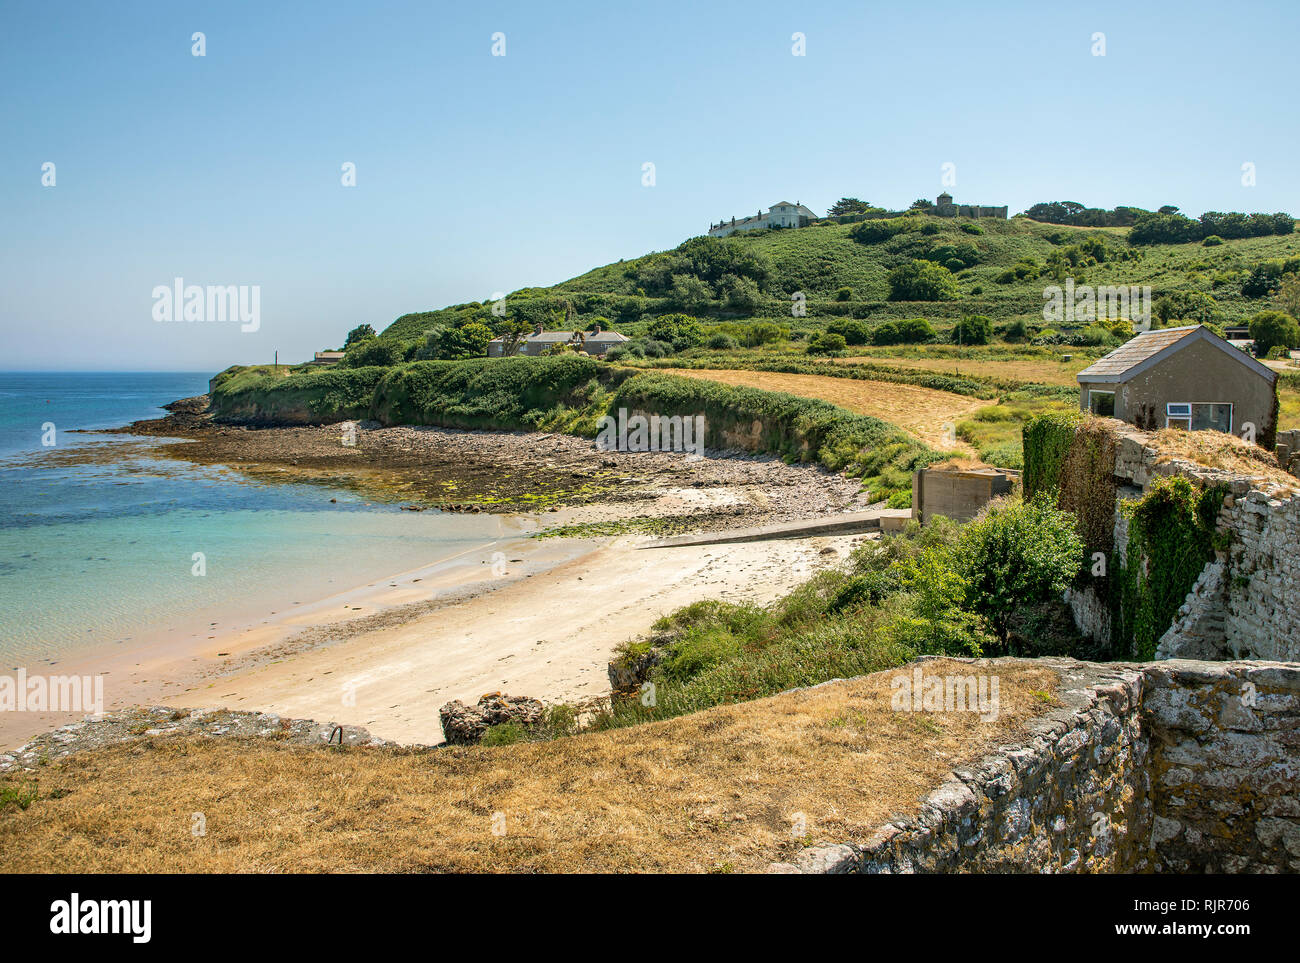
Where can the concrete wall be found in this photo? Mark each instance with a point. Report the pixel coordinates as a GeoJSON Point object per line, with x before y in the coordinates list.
{"type": "Point", "coordinates": [959, 495]}
{"type": "Point", "coordinates": [1164, 767]}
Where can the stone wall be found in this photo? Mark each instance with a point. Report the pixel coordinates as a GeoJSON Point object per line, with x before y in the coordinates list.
{"type": "Point", "coordinates": [1157, 767]}
{"type": "Point", "coordinates": [1224, 766]}
{"type": "Point", "coordinates": [1246, 603]}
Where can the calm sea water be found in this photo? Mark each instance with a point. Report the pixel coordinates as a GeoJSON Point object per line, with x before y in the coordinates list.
{"type": "Point", "coordinates": [94, 552]}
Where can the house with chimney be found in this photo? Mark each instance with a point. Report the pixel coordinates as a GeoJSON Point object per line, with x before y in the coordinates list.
{"type": "Point", "coordinates": [783, 214]}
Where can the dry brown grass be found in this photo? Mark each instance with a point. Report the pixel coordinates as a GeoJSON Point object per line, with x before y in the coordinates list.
{"type": "Point", "coordinates": [929, 414]}
{"type": "Point", "coordinates": [714, 791]}
{"type": "Point", "coordinates": [1214, 449]}
{"type": "Point", "coordinates": [1044, 372]}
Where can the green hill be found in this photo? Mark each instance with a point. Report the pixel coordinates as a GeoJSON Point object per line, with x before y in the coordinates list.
{"type": "Point", "coordinates": [998, 269]}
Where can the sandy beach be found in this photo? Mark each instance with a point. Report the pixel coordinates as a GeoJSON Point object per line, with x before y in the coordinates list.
{"type": "Point", "coordinates": [527, 616]}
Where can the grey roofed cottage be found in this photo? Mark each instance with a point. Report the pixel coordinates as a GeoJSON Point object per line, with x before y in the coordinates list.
{"type": "Point", "coordinates": [327, 357]}
{"type": "Point", "coordinates": [1185, 377]}
{"type": "Point", "coordinates": [594, 342]}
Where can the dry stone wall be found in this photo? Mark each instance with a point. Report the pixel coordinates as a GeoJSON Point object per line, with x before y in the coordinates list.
{"type": "Point", "coordinates": [1174, 766]}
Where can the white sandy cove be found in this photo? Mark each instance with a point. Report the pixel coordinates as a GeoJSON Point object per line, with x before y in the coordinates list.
{"type": "Point", "coordinates": [548, 635]}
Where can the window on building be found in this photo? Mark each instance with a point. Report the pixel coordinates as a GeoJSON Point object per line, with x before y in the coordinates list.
{"type": "Point", "coordinates": [1102, 403]}
{"type": "Point", "coordinates": [1199, 416]}
{"type": "Point", "coordinates": [1212, 416]}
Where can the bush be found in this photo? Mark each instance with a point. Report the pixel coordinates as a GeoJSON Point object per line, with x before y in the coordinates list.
{"type": "Point", "coordinates": [853, 331]}
{"type": "Point", "coordinates": [1096, 334]}
{"type": "Point", "coordinates": [874, 232]}
{"type": "Point", "coordinates": [826, 344]}
{"type": "Point", "coordinates": [1271, 329]}
{"type": "Point", "coordinates": [1018, 553]}
{"type": "Point", "coordinates": [361, 332]}
{"type": "Point", "coordinates": [499, 393]}
{"type": "Point", "coordinates": [844, 294]}
{"type": "Point", "coordinates": [655, 349]}
{"type": "Point", "coordinates": [975, 329]}
{"type": "Point", "coordinates": [904, 331]}
{"type": "Point", "coordinates": [1015, 330]}
{"type": "Point", "coordinates": [922, 281]}
{"type": "Point", "coordinates": [622, 352]}
{"type": "Point", "coordinates": [722, 342]}
{"type": "Point", "coordinates": [373, 353]}
{"type": "Point", "coordinates": [679, 330]}
{"type": "Point", "coordinates": [1212, 241]}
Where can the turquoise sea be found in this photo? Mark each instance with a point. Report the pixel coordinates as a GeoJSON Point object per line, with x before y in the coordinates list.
{"type": "Point", "coordinates": [95, 552]}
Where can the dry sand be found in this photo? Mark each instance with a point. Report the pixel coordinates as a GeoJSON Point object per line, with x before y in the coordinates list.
{"type": "Point", "coordinates": [547, 635]}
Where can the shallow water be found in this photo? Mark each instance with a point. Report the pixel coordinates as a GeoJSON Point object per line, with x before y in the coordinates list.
{"type": "Point", "coordinates": [102, 540]}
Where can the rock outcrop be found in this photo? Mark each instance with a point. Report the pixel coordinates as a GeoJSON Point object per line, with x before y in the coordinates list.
{"type": "Point", "coordinates": [464, 725]}
{"type": "Point", "coordinates": [138, 723]}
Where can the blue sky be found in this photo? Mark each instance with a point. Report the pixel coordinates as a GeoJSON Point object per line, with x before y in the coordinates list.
{"type": "Point", "coordinates": [478, 174]}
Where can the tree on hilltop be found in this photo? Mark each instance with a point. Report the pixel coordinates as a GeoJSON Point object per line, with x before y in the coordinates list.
{"type": "Point", "coordinates": [848, 205]}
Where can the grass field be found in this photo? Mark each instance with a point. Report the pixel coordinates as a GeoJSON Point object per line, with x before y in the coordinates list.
{"type": "Point", "coordinates": [1048, 372]}
{"type": "Point", "coordinates": [714, 791]}
{"type": "Point", "coordinates": [930, 415]}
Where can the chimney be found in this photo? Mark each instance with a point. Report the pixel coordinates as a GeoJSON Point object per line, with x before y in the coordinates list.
{"type": "Point", "coordinates": [595, 328]}
{"type": "Point", "coordinates": [537, 328]}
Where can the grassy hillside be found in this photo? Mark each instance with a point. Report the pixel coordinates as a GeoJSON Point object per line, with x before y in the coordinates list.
{"type": "Point", "coordinates": [761, 269]}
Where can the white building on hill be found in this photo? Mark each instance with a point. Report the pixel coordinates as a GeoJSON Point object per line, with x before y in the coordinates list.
{"type": "Point", "coordinates": [783, 214]}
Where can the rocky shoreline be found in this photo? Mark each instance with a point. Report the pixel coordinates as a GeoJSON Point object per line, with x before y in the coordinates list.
{"type": "Point", "coordinates": [505, 471]}
{"type": "Point", "coordinates": [137, 724]}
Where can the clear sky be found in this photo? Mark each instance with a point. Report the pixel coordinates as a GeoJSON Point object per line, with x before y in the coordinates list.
{"type": "Point", "coordinates": [478, 173]}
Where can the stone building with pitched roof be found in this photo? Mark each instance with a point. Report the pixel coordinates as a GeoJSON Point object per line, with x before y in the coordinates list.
{"type": "Point", "coordinates": [594, 342]}
{"type": "Point", "coordinates": [1185, 377]}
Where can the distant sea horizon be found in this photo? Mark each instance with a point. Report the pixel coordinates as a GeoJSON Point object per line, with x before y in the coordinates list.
{"type": "Point", "coordinates": [101, 535]}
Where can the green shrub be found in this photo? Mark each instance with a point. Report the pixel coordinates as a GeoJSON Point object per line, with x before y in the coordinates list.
{"type": "Point", "coordinates": [312, 397]}
{"type": "Point", "coordinates": [679, 330]}
{"type": "Point", "coordinates": [1047, 440]}
{"type": "Point", "coordinates": [844, 294]}
{"type": "Point", "coordinates": [922, 281]}
{"type": "Point", "coordinates": [904, 331]}
{"type": "Point", "coordinates": [372, 353]}
{"type": "Point", "coordinates": [504, 734]}
{"type": "Point", "coordinates": [1271, 329]}
{"type": "Point", "coordinates": [877, 231]}
{"type": "Point", "coordinates": [501, 393]}
{"type": "Point", "coordinates": [827, 344]}
{"type": "Point", "coordinates": [852, 330]}
{"type": "Point", "coordinates": [1018, 553]}
{"type": "Point", "coordinates": [722, 342]}
{"type": "Point", "coordinates": [975, 329]}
